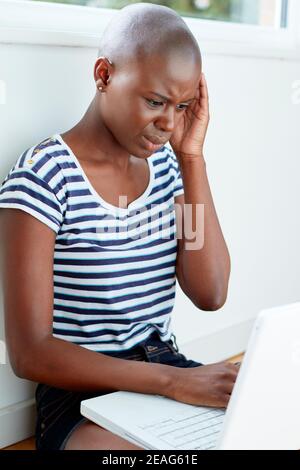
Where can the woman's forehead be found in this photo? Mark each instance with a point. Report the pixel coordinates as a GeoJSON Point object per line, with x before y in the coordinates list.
{"type": "Point", "coordinates": [165, 63]}
{"type": "Point", "coordinates": [155, 73]}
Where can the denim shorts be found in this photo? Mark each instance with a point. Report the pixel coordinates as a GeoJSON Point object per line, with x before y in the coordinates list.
{"type": "Point", "coordinates": [58, 410]}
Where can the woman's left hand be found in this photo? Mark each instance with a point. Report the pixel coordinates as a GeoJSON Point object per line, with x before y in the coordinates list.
{"type": "Point", "coordinates": [188, 138]}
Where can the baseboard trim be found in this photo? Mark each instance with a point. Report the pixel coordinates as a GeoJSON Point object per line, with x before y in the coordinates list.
{"type": "Point", "coordinates": [17, 422]}
{"type": "Point", "coordinates": [220, 345]}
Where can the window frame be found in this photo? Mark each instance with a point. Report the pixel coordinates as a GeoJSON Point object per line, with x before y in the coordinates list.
{"type": "Point", "coordinates": [27, 22]}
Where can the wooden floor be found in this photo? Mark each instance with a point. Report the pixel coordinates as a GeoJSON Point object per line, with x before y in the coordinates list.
{"type": "Point", "coordinates": [29, 444]}
{"type": "Point", "coordinates": [236, 358]}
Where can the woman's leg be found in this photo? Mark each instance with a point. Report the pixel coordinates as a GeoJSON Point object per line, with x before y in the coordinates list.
{"type": "Point", "coordinates": [90, 436]}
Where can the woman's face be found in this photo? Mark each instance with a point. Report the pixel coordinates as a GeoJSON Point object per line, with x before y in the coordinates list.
{"type": "Point", "coordinates": [130, 109]}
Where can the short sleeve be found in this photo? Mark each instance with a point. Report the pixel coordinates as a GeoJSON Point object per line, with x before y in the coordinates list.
{"type": "Point", "coordinates": [178, 188]}
{"type": "Point", "coordinates": [26, 190]}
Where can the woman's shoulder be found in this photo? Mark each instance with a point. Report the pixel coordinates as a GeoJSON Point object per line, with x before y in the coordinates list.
{"type": "Point", "coordinates": [41, 165]}
{"type": "Point", "coordinates": [170, 159]}
{"type": "Point", "coordinates": [44, 163]}
{"type": "Point", "coordinates": [164, 157]}
{"type": "Point", "coordinates": [36, 184]}
{"type": "Point", "coordinates": [40, 157]}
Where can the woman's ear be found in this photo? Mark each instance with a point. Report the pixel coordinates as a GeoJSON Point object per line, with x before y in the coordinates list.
{"type": "Point", "coordinates": [102, 71]}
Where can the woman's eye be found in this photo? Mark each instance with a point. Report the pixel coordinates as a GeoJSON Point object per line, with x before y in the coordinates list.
{"type": "Point", "coordinates": [185, 106]}
{"type": "Point", "coordinates": [155, 102]}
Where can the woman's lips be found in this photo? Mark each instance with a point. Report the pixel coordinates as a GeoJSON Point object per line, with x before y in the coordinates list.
{"type": "Point", "coordinates": [150, 145]}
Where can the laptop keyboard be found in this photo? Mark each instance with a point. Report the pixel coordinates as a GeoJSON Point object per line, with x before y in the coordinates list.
{"type": "Point", "coordinates": [192, 430]}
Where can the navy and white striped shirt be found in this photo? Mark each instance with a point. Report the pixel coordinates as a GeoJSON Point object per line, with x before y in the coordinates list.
{"type": "Point", "coordinates": [114, 268]}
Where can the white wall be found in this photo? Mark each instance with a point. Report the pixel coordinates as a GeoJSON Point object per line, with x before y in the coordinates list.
{"type": "Point", "coordinates": [252, 155]}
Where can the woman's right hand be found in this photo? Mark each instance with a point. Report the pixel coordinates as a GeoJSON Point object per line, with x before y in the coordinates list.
{"type": "Point", "coordinates": [208, 385]}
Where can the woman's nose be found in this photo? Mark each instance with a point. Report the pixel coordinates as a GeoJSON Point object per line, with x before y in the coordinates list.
{"type": "Point", "coordinates": [167, 120]}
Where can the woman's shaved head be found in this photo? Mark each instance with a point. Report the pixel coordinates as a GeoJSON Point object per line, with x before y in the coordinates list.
{"type": "Point", "coordinates": [143, 30]}
{"type": "Point", "coordinates": [146, 50]}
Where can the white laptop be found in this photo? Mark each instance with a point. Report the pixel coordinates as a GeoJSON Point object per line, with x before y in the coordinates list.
{"type": "Point", "coordinates": [263, 412]}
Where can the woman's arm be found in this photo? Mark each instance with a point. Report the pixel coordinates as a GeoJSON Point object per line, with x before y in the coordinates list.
{"type": "Point", "coordinates": [203, 262]}
{"type": "Point", "coordinates": [27, 249]}
{"type": "Point", "coordinates": [26, 256]}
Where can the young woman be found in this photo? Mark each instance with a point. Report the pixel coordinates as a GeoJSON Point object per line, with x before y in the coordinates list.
{"type": "Point", "coordinates": [87, 296]}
